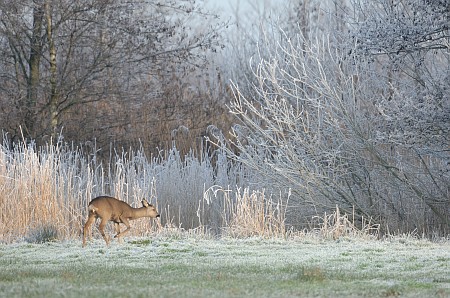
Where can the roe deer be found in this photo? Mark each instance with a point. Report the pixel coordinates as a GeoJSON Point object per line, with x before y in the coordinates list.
{"type": "Point", "coordinates": [111, 209]}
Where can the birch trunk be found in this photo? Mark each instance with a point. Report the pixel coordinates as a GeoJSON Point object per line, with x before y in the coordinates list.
{"type": "Point", "coordinates": [53, 100]}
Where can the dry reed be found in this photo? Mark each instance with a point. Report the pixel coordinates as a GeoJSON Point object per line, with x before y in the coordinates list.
{"type": "Point", "coordinates": [249, 213]}
{"type": "Point", "coordinates": [337, 225]}
{"type": "Point", "coordinates": [52, 186]}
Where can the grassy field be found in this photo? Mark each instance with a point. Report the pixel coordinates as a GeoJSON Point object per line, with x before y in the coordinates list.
{"type": "Point", "coordinates": [191, 267]}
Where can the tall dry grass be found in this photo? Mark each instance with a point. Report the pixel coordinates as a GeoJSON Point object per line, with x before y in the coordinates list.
{"type": "Point", "coordinates": [44, 193]}
{"type": "Point", "coordinates": [51, 186]}
{"type": "Point", "coordinates": [247, 213]}
{"type": "Point", "coordinates": [335, 225]}
{"type": "Point", "coordinates": [41, 187]}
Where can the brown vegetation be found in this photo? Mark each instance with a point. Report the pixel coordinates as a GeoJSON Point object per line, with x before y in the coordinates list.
{"type": "Point", "coordinates": [178, 115]}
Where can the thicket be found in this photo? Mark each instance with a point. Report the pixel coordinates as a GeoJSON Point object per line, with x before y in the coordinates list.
{"type": "Point", "coordinates": [45, 191]}
{"type": "Point", "coordinates": [352, 108]}
{"type": "Point", "coordinates": [337, 106]}
{"type": "Point", "coordinates": [126, 73]}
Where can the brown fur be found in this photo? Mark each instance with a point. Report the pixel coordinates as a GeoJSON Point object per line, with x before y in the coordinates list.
{"type": "Point", "coordinates": [111, 209]}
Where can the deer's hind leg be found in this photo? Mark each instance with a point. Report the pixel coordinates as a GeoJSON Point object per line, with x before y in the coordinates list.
{"type": "Point", "coordinates": [87, 227]}
{"type": "Point", "coordinates": [101, 228]}
{"type": "Point", "coordinates": [117, 228]}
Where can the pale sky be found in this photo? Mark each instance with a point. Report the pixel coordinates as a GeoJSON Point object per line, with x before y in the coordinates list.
{"type": "Point", "coordinates": [243, 7]}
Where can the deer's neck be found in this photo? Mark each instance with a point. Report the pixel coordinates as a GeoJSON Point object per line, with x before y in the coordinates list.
{"type": "Point", "coordinates": [137, 212]}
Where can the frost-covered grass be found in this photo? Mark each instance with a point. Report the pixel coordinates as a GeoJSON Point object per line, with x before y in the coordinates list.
{"type": "Point", "coordinates": [251, 267]}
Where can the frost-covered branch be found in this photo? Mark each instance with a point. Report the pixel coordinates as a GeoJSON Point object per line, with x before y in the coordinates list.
{"type": "Point", "coordinates": [296, 131]}
{"type": "Point", "coordinates": [314, 124]}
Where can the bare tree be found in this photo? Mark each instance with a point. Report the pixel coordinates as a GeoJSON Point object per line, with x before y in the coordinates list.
{"type": "Point", "coordinates": [58, 54]}
{"type": "Point", "coordinates": [330, 121]}
{"type": "Point", "coordinates": [301, 130]}
{"type": "Point", "coordinates": [407, 44]}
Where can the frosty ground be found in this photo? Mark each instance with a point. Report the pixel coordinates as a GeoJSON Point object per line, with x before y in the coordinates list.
{"type": "Point", "coordinates": [191, 267]}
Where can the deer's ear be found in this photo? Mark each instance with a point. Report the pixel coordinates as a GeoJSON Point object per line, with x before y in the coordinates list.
{"type": "Point", "coordinates": [145, 203]}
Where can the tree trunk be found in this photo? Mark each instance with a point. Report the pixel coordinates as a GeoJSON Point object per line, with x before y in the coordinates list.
{"type": "Point", "coordinates": [53, 100]}
{"type": "Point", "coordinates": [34, 68]}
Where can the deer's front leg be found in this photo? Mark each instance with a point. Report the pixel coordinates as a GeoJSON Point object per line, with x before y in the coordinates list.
{"type": "Point", "coordinates": [127, 223]}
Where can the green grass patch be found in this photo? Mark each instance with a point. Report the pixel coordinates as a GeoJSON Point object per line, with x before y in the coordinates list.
{"type": "Point", "coordinates": [225, 268]}
{"type": "Point", "coordinates": [141, 242]}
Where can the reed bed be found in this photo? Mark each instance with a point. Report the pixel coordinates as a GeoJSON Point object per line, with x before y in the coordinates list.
{"type": "Point", "coordinates": [44, 193]}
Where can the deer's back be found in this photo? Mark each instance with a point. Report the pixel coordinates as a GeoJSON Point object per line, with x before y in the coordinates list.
{"type": "Point", "coordinates": [109, 207]}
